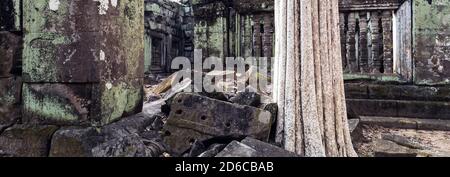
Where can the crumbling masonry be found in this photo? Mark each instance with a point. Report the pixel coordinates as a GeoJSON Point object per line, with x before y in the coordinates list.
{"type": "Point", "coordinates": [78, 66]}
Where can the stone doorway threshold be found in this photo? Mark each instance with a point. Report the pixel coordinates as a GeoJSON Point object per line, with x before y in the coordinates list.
{"type": "Point", "coordinates": [401, 137]}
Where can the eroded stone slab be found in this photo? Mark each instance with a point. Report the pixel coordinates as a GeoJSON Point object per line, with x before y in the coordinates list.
{"type": "Point", "coordinates": [27, 140]}
{"type": "Point", "coordinates": [198, 118]}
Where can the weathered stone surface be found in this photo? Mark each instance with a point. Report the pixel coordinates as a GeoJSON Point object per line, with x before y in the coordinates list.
{"type": "Point", "coordinates": [237, 149]}
{"type": "Point", "coordinates": [433, 124]}
{"type": "Point", "coordinates": [400, 108]}
{"type": "Point", "coordinates": [10, 50]}
{"type": "Point", "coordinates": [27, 140]}
{"type": "Point", "coordinates": [81, 104]}
{"type": "Point", "coordinates": [82, 61]}
{"type": "Point", "coordinates": [356, 4]}
{"type": "Point", "coordinates": [165, 23]}
{"type": "Point", "coordinates": [103, 37]}
{"type": "Point", "coordinates": [75, 142]}
{"type": "Point", "coordinates": [403, 141]}
{"type": "Point", "coordinates": [133, 124]}
{"type": "Point", "coordinates": [10, 89]}
{"type": "Point", "coordinates": [431, 29]}
{"type": "Point", "coordinates": [385, 148]}
{"type": "Point", "coordinates": [165, 85]}
{"type": "Point", "coordinates": [132, 136]}
{"type": "Point", "coordinates": [247, 98]}
{"type": "Point", "coordinates": [128, 138]}
{"type": "Point", "coordinates": [253, 6]}
{"type": "Point", "coordinates": [10, 12]}
{"type": "Point", "coordinates": [177, 88]}
{"type": "Point", "coordinates": [197, 118]}
{"type": "Point", "coordinates": [156, 107]}
{"type": "Point", "coordinates": [407, 123]}
{"type": "Point", "coordinates": [356, 91]}
{"type": "Point", "coordinates": [267, 150]}
{"type": "Point", "coordinates": [213, 150]}
{"type": "Point", "coordinates": [3, 127]}
{"type": "Point", "coordinates": [197, 148]}
{"type": "Point", "coordinates": [390, 122]}
{"type": "Point", "coordinates": [367, 107]}
{"type": "Point", "coordinates": [424, 109]}
{"type": "Point", "coordinates": [409, 92]}
{"type": "Point", "coordinates": [130, 146]}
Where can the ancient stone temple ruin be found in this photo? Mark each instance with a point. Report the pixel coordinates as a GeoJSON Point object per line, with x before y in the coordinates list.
{"type": "Point", "coordinates": [220, 28]}
{"type": "Point", "coordinates": [74, 75]}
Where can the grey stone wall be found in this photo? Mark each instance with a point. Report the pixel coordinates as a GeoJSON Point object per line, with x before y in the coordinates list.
{"type": "Point", "coordinates": [420, 90]}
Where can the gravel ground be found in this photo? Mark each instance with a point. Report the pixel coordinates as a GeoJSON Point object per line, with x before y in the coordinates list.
{"type": "Point", "coordinates": [373, 141]}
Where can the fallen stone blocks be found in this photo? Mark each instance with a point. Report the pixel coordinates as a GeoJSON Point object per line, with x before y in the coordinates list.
{"type": "Point", "coordinates": [198, 118]}
{"type": "Point", "coordinates": [130, 137]}
{"type": "Point", "coordinates": [250, 147]}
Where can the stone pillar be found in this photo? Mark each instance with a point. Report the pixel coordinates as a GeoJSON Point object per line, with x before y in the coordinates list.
{"type": "Point", "coordinates": [82, 61]}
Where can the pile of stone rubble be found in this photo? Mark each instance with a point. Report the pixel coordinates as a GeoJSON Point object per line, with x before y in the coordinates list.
{"type": "Point", "coordinates": [172, 124]}
{"type": "Point", "coordinates": [237, 124]}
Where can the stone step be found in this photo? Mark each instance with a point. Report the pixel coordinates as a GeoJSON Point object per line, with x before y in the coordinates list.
{"type": "Point", "coordinates": [406, 123]}
{"type": "Point", "coordinates": [400, 108]}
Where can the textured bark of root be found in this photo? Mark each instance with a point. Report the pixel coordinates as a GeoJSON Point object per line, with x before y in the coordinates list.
{"type": "Point", "coordinates": [310, 88]}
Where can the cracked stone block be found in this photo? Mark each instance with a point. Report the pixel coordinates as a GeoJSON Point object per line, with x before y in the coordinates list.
{"type": "Point", "coordinates": [75, 142]}
{"type": "Point", "coordinates": [27, 140]}
{"type": "Point", "coordinates": [267, 150]}
{"type": "Point", "coordinates": [81, 104]}
{"type": "Point", "coordinates": [3, 127]}
{"type": "Point", "coordinates": [199, 118]}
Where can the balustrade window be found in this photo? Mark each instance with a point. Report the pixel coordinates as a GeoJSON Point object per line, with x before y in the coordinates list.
{"type": "Point", "coordinates": [376, 39]}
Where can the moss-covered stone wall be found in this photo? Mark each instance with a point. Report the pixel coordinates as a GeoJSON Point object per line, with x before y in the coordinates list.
{"type": "Point", "coordinates": [82, 61]}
